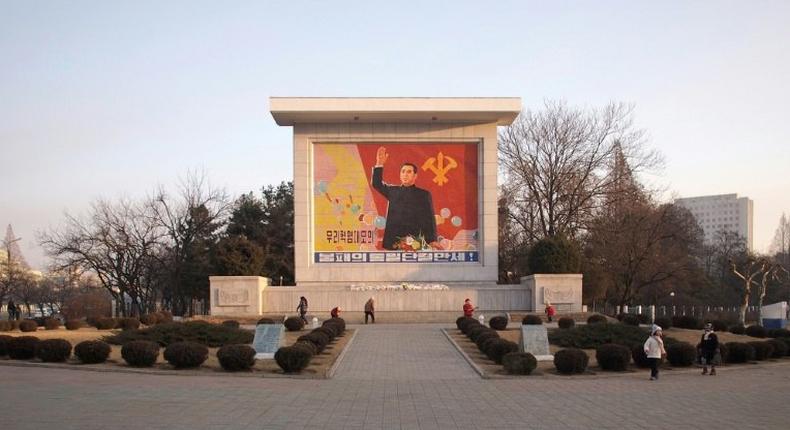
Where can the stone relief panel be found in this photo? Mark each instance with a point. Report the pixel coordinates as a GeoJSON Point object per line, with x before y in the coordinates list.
{"type": "Point", "coordinates": [558, 295]}
{"type": "Point", "coordinates": [233, 297]}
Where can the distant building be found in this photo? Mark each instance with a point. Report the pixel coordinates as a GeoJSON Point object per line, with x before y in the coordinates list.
{"type": "Point", "coordinates": [724, 212]}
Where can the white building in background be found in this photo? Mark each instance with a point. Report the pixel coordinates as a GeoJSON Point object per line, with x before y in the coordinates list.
{"type": "Point", "coordinates": [724, 212]}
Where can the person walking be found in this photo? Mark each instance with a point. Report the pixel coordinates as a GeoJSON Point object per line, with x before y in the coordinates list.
{"type": "Point", "coordinates": [369, 309]}
{"type": "Point", "coordinates": [302, 308]}
{"type": "Point", "coordinates": [550, 311]}
{"type": "Point", "coordinates": [654, 350]}
{"type": "Point", "coordinates": [709, 347]}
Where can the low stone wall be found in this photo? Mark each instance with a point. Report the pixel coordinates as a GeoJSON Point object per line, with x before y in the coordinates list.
{"type": "Point", "coordinates": [563, 291]}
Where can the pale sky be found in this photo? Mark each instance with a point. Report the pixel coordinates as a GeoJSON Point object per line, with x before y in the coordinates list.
{"type": "Point", "coordinates": [108, 98]}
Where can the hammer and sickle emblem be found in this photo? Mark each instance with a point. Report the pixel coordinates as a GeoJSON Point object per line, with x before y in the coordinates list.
{"type": "Point", "coordinates": [439, 168]}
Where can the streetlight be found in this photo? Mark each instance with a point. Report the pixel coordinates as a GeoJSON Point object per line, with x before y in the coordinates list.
{"type": "Point", "coordinates": [672, 294]}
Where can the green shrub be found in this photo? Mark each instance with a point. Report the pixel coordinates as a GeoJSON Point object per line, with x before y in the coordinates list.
{"type": "Point", "coordinates": [554, 255]}
{"type": "Point", "coordinates": [292, 359]}
{"type": "Point", "coordinates": [337, 320]}
{"type": "Point", "coordinates": [22, 347]}
{"type": "Point", "coordinates": [463, 320]}
{"type": "Point", "coordinates": [140, 353]}
{"type": "Point", "coordinates": [149, 319]}
{"type": "Point", "coordinates": [725, 352]}
{"type": "Point", "coordinates": [293, 324]}
{"type": "Point", "coordinates": [497, 349]}
{"type": "Point", "coordinates": [630, 319]}
{"type": "Point", "coordinates": [308, 345]}
{"type": "Point", "coordinates": [718, 325]}
{"type": "Point", "coordinates": [498, 323]}
{"type": "Point", "coordinates": [6, 326]}
{"type": "Point", "coordinates": [778, 332]}
{"type": "Point", "coordinates": [681, 354]}
{"type": "Point", "coordinates": [51, 324]}
{"type": "Point", "coordinates": [127, 324]}
{"type": "Point", "coordinates": [597, 319]}
{"type": "Point", "coordinates": [331, 330]}
{"type": "Point", "coordinates": [643, 318]}
{"type": "Point", "coordinates": [786, 341]}
{"type": "Point", "coordinates": [780, 348]}
{"type": "Point", "coordinates": [73, 324]}
{"type": "Point", "coordinates": [481, 339]}
{"type": "Point", "coordinates": [184, 355]}
{"type": "Point", "coordinates": [468, 325]}
{"type": "Point", "coordinates": [265, 321]}
{"type": "Point", "coordinates": [639, 357]}
{"type": "Point", "coordinates": [739, 352]}
{"type": "Point", "coordinates": [530, 319]}
{"type": "Point", "coordinates": [566, 322]}
{"type": "Point", "coordinates": [762, 350]}
{"type": "Point", "coordinates": [519, 363]}
{"type": "Point", "coordinates": [5, 340]}
{"type": "Point", "coordinates": [92, 351]}
{"type": "Point", "coordinates": [317, 338]}
{"type": "Point", "coordinates": [53, 350]}
{"type": "Point", "coordinates": [738, 329]}
{"type": "Point", "coordinates": [592, 336]}
{"type": "Point", "coordinates": [664, 322]}
{"type": "Point", "coordinates": [475, 332]}
{"type": "Point", "coordinates": [28, 326]}
{"type": "Point", "coordinates": [687, 322]}
{"type": "Point", "coordinates": [756, 331]}
{"type": "Point", "coordinates": [105, 323]}
{"type": "Point", "coordinates": [230, 323]}
{"type": "Point", "coordinates": [613, 357]}
{"type": "Point", "coordinates": [234, 358]}
{"type": "Point", "coordinates": [571, 360]}
{"type": "Point", "coordinates": [211, 335]}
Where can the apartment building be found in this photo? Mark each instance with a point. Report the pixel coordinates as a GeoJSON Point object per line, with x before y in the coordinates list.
{"type": "Point", "coordinates": [724, 212]}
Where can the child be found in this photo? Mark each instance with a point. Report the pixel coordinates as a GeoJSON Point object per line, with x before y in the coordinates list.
{"type": "Point", "coordinates": [654, 350]}
{"type": "Point", "coordinates": [709, 346]}
{"type": "Point", "coordinates": [550, 311]}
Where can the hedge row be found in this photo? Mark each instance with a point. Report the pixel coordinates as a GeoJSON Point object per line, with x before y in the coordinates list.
{"type": "Point", "coordinates": [295, 358]}
{"type": "Point", "coordinates": [500, 351]}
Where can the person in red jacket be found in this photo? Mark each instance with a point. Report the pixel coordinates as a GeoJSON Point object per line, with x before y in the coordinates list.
{"type": "Point", "coordinates": [335, 313]}
{"type": "Point", "coordinates": [550, 311]}
{"type": "Point", "coordinates": [469, 309]}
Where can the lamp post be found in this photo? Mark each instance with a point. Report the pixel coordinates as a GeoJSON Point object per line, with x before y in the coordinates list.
{"type": "Point", "coordinates": [672, 294]}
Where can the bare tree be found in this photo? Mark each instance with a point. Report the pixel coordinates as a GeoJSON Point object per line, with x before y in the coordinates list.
{"type": "Point", "coordinates": [781, 243]}
{"type": "Point", "coordinates": [747, 270]}
{"type": "Point", "coordinates": [771, 272]}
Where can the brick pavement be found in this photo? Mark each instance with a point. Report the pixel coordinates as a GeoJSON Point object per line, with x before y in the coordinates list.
{"type": "Point", "coordinates": [392, 398]}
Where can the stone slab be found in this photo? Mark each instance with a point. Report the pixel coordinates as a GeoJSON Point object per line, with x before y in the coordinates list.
{"type": "Point", "coordinates": [535, 340]}
{"type": "Point", "coordinates": [267, 340]}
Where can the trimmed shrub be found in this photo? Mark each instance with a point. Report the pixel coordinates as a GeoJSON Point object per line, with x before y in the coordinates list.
{"type": "Point", "coordinates": [639, 356]}
{"type": "Point", "coordinates": [340, 322]}
{"type": "Point", "coordinates": [292, 359]}
{"type": "Point", "coordinates": [23, 347]}
{"type": "Point", "coordinates": [630, 319]}
{"type": "Point", "coordinates": [762, 350]}
{"type": "Point", "coordinates": [718, 325]}
{"type": "Point", "coordinates": [5, 340]}
{"type": "Point", "coordinates": [476, 332]}
{"type": "Point", "coordinates": [14, 324]}
{"type": "Point", "coordinates": [681, 354]}
{"type": "Point", "coordinates": [739, 352]}
{"type": "Point", "coordinates": [497, 348]}
{"type": "Point", "coordinates": [725, 352]}
{"type": "Point", "coordinates": [92, 351]}
{"type": "Point", "coordinates": [266, 321]}
{"type": "Point", "coordinates": [597, 319]}
{"type": "Point", "coordinates": [105, 323]}
{"type": "Point", "coordinates": [331, 330]}
{"type": "Point", "coordinates": [293, 324]}
{"type": "Point", "coordinates": [73, 324]}
{"type": "Point", "coordinates": [149, 319]}
{"type": "Point", "coordinates": [230, 323]}
{"type": "Point", "coordinates": [566, 322]}
{"type": "Point", "coordinates": [184, 355]}
{"type": "Point", "coordinates": [127, 324]}
{"type": "Point", "coordinates": [140, 353]}
{"type": "Point", "coordinates": [468, 325]}
{"type": "Point", "coordinates": [211, 335]}
{"type": "Point", "coordinates": [317, 338]}
{"type": "Point", "coordinates": [234, 358]}
{"type": "Point", "coordinates": [53, 350]}
{"type": "Point", "coordinates": [592, 336]}
{"type": "Point", "coordinates": [687, 322]}
{"type": "Point", "coordinates": [643, 318]}
{"type": "Point", "coordinates": [28, 326]}
{"type": "Point", "coordinates": [613, 357]}
{"type": "Point", "coordinates": [498, 323]}
{"type": "Point", "coordinates": [554, 255]}
{"type": "Point", "coordinates": [756, 331]}
{"type": "Point", "coordinates": [51, 324]}
{"type": "Point", "coordinates": [461, 320]}
{"type": "Point", "coordinates": [481, 338]}
{"type": "Point", "coordinates": [6, 326]}
{"type": "Point", "coordinates": [530, 319]}
{"type": "Point", "coordinates": [778, 332]}
{"type": "Point", "coordinates": [519, 363]}
{"type": "Point", "coordinates": [664, 322]}
{"type": "Point", "coordinates": [571, 360]}
{"type": "Point", "coordinates": [307, 345]}
{"type": "Point", "coordinates": [738, 329]}
{"type": "Point", "coordinates": [780, 348]}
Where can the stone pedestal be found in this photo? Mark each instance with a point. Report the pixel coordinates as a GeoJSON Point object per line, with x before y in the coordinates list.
{"type": "Point", "coordinates": [237, 295]}
{"type": "Point", "coordinates": [563, 291]}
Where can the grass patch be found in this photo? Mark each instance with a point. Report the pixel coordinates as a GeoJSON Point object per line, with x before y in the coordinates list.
{"type": "Point", "coordinates": [211, 335]}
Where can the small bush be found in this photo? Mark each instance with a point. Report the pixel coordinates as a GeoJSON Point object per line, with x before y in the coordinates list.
{"type": "Point", "coordinates": [128, 324]}
{"type": "Point", "coordinates": [571, 360]}
{"type": "Point", "coordinates": [211, 335]}
{"type": "Point", "coordinates": [22, 347]}
{"type": "Point", "coordinates": [292, 359]}
{"type": "Point", "coordinates": [725, 352]}
{"type": "Point", "coordinates": [519, 363]}
{"type": "Point", "coordinates": [592, 336]}
{"type": "Point", "coordinates": [762, 350]}
{"type": "Point", "coordinates": [597, 319]}
{"type": "Point", "coordinates": [481, 338]}
{"type": "Point", "coordinates": [664, 322]}
{"type": "Point", "coordinates": [756, 331]}
{"type": "Point", "coordinates": [14, 324]}
{"type": "Point", "coordinates": [319, 339]}
{"type": "Point", "coordinates": [149, 319]}
{"type": "Point", "coordinates": [105, 323]}
{"type": "Point", "coordinates": [234, 358]}
{"type": "Point", "coordinates": [498, 323]}
{"type": "Point", "coordinates": [92, 351]}
{"type": "Point", "coordinates": [639, 356]}
{"type": "Point", "coordinates": [566, 322]}
{"type": "Point", "coordinates": [681, 354]}
{"type": "Point", "coordinates": [461, 320]}
{"type": "Point", "coordinates": [293, 324]}
{"type": "Point", "coordinates": [468, 325]}
{"type": "Point", "coordinates": [6, 326]}
{"type": "Point", "coordinates": [630, 319]}
{"type": "Point", "coordinates": [786, 341]}
{"type": "Point", "coordinates": [718, 325]}
{"type": "Point", "coordinates": [265, 321]}
{"type": "Point", "coordinates": [184, 355]}
{"type": "Point", "coordinates": [613, 357]}
{"type": "Point", "coordinates": [339, 322]}
{"type": "Point", "coordinates": [738, 329]}
{"type": "Point", "coordinates": [530, 319]}
{"type": "Point", "coordinates": [28, 326]}
{"type": "Point", "coordinates": [51, 324]}
{"type": "Point", "coordinates": [5, 340]}
{"type": "Point", "coordinates": [497, 349]}
{"type": "Point", "coordinates": [331, 330]}
{"type": "Point", "coordinates": [53, 350]}
{"type": "Point", "coordinates": [308, 345]}
{"type": "Point", "coordinates": [780, 348]}
{"type": "Point", "coordinates": [140, 353]}
{"type": "Point", "coordinates": [778, 332]}
{"type": "Point", "coordinates": [643, 318]}
{"type": "Point", "coordinates": [739, 352]}
{"type": "Point", "coordinates": [230, 323]}
{"type": "Point", "coordinates": [73, 324]}
{"type": "Point", "coordinates": [687, 322]}
{"type": "Point", "coordinates": [478, 331]}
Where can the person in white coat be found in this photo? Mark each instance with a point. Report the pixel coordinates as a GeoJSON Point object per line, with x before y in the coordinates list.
{"type": "Point", "coordinates": [654, 350]}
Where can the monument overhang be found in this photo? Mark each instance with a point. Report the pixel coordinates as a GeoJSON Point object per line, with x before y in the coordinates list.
{"type": "Point", "coordinates": [288, 111]}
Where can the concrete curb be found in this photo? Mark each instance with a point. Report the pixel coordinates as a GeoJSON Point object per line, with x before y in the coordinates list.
{"type": "Point", "coordinates": [466, 357]}
{"type": "Point", "coordinates": [331, 372]}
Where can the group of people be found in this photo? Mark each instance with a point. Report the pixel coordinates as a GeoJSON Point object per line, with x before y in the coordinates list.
{"type": "Point", "coordinates": [370, 310]}
{"type": "Point", "coordinates": [13, 311]}
{"type": "Point", "coordinates": [708, 351]}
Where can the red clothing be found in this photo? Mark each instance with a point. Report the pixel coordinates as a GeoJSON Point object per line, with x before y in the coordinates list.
{"type": "Point", "coordinates": [550, 311]}
{"type": "Point", "coordinates": [469, 310]}
{"type": "Point", "coordinates": [335, 312]}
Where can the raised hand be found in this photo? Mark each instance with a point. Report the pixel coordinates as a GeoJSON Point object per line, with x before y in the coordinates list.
{"type": "Point", "coordinates": [381, 156]}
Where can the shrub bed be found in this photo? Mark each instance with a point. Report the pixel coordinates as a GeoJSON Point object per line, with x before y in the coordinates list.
{"type": "Point", "coordinates": [687, 322]}
{"type": "Point", "coordinates": [778, 332]}
{"type": "Point", "coordinates": [53, 350]}
{"type": "Point", "coordinates": [74, 324]}
{"type": "Point", "coordinates": [739, 352]}
{"type": "Point", "coordinates": [51, 324]}
{"type": "Point", "coordinates": [756, 331]}
{"type": "Point", "coordinates": [483, 337]}
{"type": "Point", "coordinates": [149, 319]}
{"type": "Point", "coordinates": [22, 347]}
{"type": "Point", "coordinates": [497, 348]}
{"type": "Point", "coordinates": [462, 320]}
{"type": "Point", "coordinates": [140, 353]}
{"type": "Point", "coordinates": [6, 326]}
{"type": "Point", "coordinates": [762, 350]}
{"type": "Point", "coordinates": [592, 336]}
{"type": "Point", "coordinates": [570, 360]}
{"type": "Point", "coordinates": [127, 324]}
{"type": "Point", "coordinates": [478, 331]}
{"type": "Point", "coordinates": [681, 354]}
{"type": "Point", "coordinates": [613, 357]}
{"type": "Point", "coordinates": [639, 357]}
{"type": "Point", "coordinates": [530, 319]}
{"type": "Point", "coordinates": [469, 324]}
{"type": "Point", "coordinates": [92, 351]}
{"type": "Point", "coordinates": [340, 323]}
{"type": "Point", "coordinates": [317, 338]}
{"type": "Point", "coordinates": [105, 323]}
{"type": "Point", "coordinates": [211, 335]}
{"type": "Point", "coordinates": [183, 355]}
{"type": "Point", "coordinates": [738, 329]}
{"type": "Point", "coordinates": [230, 323]}
{"type": "Point", "coordinates": [630, 319]}
{"type": "Point", "coordinates": [234, 358]}
{"type": "Point", "coordinates": [664, 322]}
{"type": "Point", "coordinates": [293, 324]}
{"type": "Point", "coordinates": [5, 340]}
{"type": "Point", "coordinates": [498, 323]}
{"type": "Point", "coordinates": [28, 326]}
{"type": "Point", "coordinates": [780, 348]}
{"type": "Point", "coordinates": [597, 319]}
{"type": "Point", "coordinates": [292, 359]}
{"type": "Point", "coordinates": [718, 325]}
{"type": "Point", "coordinates": [519, 363]}
{"type": "Point", "coordinates": [566, 322]}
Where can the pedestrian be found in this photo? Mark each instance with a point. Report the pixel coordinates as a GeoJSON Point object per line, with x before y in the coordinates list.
{"type": "Point", "coordinates": [12, 310]}
{"type": "Point", "coordinates": [709, 349]}
{"type": "Point", "coordinates": [335, 313]}
{"type": "Point", "coordinates": [550, 311]}
{"type": "Point", "coordinates": [369, 309]}
{"type": "Point", "coordinates": [654, 350]}
{"type": "Point", "coordinates": [302, 308]}
{"type": "Point", "coordinates": [469, 308]}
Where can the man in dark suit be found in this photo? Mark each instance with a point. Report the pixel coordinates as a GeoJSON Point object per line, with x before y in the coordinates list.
{"type": "Point", "coordinates": [410, 210]}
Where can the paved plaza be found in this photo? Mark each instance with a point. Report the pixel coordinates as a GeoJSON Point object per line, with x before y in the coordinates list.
{"type": "Point", "coordinates": [395, 377]}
